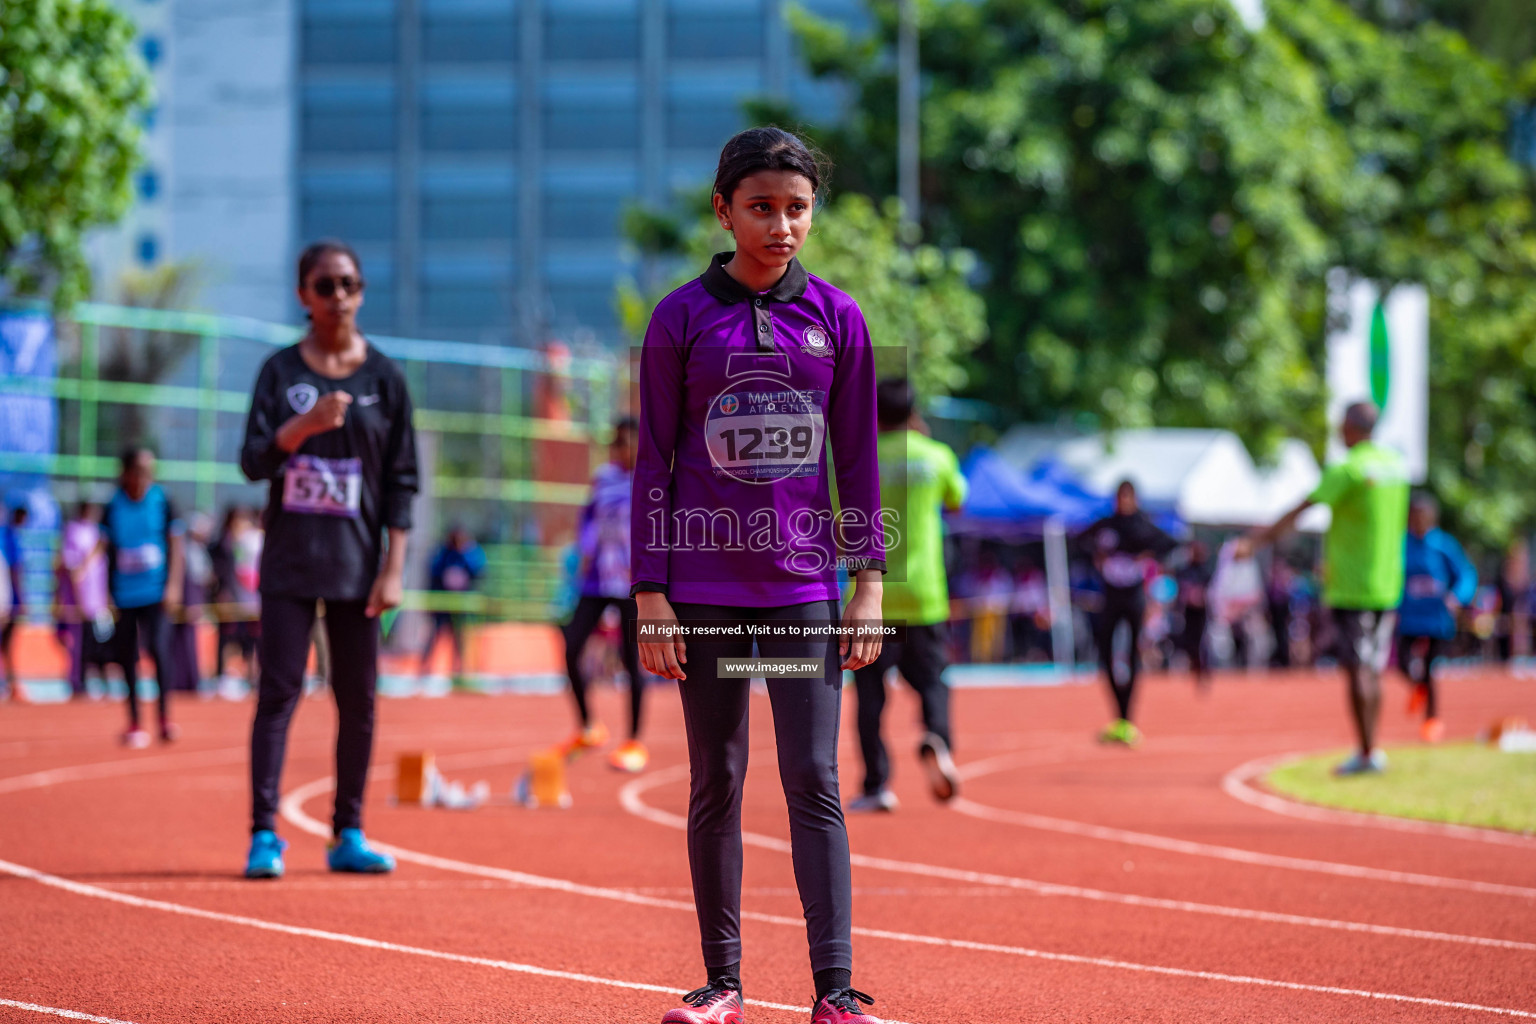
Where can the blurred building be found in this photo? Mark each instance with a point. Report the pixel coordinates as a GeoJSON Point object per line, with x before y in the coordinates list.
{"type": "Point", "coordinates": [479, 153]}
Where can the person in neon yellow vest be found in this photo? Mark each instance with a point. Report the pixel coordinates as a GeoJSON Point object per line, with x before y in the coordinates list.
{"type": "Point", "coordinates": [1363, 566]}
{"type": "Point", "coordinates": [918, 476]}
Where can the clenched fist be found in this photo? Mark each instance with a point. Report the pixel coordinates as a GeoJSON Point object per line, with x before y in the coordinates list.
{"type": "Point", "coordinates": [330, 412]}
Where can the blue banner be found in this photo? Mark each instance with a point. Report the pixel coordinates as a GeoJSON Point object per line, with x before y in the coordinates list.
{"type": "Point", "coordinates": [28, 421]}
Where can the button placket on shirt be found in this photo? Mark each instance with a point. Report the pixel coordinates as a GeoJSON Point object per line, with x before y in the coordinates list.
{"type": "Point", "coordinates": [764, 325]}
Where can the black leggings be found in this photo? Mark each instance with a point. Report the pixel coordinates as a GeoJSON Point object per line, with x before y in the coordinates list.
{"type": "Point", "coordinates": [805, 724]}
{"type": "Point", "coordinates": [147, 627]}
{"type": "Point", "coordinates": [1425, 677]}
{"type": "Point", "coordinates": [286, 624]}
{"type": "Point", "coordinates": [920, 659]}
{"type": "Point", "coordinates": [588, 613]}
{"type": "Point", "coordinates": [1192, 641]}
{"type": "Point", "coordinates": [1131, 613]}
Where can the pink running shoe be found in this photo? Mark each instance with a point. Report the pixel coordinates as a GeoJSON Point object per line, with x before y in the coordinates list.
{"type": "Point", "coordinates": [712, 1004]}
{"type": "Point", "coordinates": [841, 1006]}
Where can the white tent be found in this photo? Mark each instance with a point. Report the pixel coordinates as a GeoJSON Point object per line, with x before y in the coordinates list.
{"type": "Point", "coordinates": [1206, 476]}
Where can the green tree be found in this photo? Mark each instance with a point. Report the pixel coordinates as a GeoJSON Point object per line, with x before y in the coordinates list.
{"type": "Point", "coordinates": [1157, 193]}
{"type": "Point", "coordinates": [71, 91]}
{"type": "Point", "coordinates": [914, 297]}
{"type": "Point", "coordinates": [1141, 181]}
{"type": "Point", "coordinates": [1502, 29]}
{"type": "Point", "coordinates": [1437, 199]}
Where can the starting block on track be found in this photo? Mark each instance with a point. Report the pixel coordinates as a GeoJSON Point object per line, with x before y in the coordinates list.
{"type": "Point", "coordinates": [413, 777]}
{"type": "Point", "coordinates": [542, 783]}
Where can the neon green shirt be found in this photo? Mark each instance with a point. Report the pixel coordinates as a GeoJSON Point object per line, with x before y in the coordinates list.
{"type": "Point", "coordinates": [1363, 553]}
{"type": "Point", "coordinates": [917, 476]}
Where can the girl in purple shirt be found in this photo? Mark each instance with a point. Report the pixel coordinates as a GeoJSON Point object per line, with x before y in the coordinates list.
{"type": "Point", "coordinates": [747, 375]}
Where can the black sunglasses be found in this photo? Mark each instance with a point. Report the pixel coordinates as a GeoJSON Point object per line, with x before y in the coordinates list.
{"type": "Point", "coordinates": [325, 287]}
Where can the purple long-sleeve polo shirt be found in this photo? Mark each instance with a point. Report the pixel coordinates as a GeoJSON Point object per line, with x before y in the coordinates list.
{"type": "Point", "coordinates": [740, 394]}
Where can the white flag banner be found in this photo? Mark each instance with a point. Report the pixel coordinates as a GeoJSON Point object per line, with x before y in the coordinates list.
{"type": "Point", "coordinates": [1380, 353]}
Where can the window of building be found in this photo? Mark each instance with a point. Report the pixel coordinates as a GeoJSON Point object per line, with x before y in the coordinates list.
{"type": "Point", "coordinates": [148, 184]}
{"type": "Point", "coordinates": [351, 117]}
{"type": "Point", "coordinates": [469, 114]}
{"type": "Point", "coordinates": [702, 123]}
{"type": "Point", "coordinates": [152, 50]}
{"type": "Point", "coordinates": [469, 205]}
{"type": "Point", "coordinates": [467, 294]}
{"type": "Point", "coordinates": [583, 31]}
{"type": "Point", "coordinates": [584, 217]}
{"type": "Point", "coordinates": [348, 32]}
{"type": "Point", "coordinates": [354, 206]}
{"type": "Point", "coordinates": [589, 305]}
{"type": "Point", "coordinates": [469, 30]}
{"type": "Point", "coordinates": [705, 109]}
{"type": "Point", "coordinates": [149, 249]}
{"type": "Point", "coordinates": [592, 114]}
{"type": "Point", "coordinates": [715, 32]}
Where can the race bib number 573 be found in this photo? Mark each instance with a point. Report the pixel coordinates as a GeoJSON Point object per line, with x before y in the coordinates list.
{"type": "Point", "coordinates": [327, 487]}
{"type": "Point", "coordinates": [762, 435]}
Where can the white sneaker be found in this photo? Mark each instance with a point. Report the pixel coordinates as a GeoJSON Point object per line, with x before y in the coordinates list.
{"type": "Point", "coordinates": [942, 777]}
{"type": "Point", "coordinates": [135, 739]}
{"type": "Point", "coordinates": [871, 803]}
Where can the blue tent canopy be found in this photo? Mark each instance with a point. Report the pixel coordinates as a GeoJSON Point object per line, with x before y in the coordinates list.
{"type": "Point", "coordinates": [1004, 501]}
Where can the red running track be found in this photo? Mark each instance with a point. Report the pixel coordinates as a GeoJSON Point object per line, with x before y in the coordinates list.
{"type": "Point", "coordinates": [1071, 883]}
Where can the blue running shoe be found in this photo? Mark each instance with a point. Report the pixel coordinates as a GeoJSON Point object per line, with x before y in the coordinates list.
{"type": "Point", "coordinates": [351, 852]}
{"type": "Point", "coordinates": [1360, 764]}
{"type": "Point", "coordinates": [266, 857]}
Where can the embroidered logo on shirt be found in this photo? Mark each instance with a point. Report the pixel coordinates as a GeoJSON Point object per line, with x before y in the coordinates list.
{"type": "Point", "coordinates": [729, 404]}
{"type": "Point", "coordinates": [303, 397]}
{"type": "Point", "coordinates": [368, 400]}
{"type": "Point", "coordinates": [816, 341]}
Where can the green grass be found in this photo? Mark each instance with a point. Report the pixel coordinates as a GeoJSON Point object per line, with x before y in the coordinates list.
{"type": "Point", "coordinates": [1460, 783]}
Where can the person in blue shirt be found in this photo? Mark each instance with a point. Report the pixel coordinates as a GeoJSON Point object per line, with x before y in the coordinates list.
{"type": "Point", "coordinates": [141, 537]}
{"type": "Point", "coordinates": [1438, 581]}
{"type": "Point", "coordinates": [10, 550]}
{"type": "Point", "coordinates": [456, 566]}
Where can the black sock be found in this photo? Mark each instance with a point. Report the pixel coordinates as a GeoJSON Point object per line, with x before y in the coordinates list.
{"type": "Point", "coordinates": [831, 979]}
{"type": "Point", "coordinates": [728, 976]}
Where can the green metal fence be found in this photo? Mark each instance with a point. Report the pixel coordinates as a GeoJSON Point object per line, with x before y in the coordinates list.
{"type": "Point", "coordinates": [476, 414]}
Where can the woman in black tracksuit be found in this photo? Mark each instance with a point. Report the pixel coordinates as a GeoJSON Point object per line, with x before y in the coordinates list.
{"type": "Point", "coordinates": [1120, 546]}
{"type": "Point", "coordinates": [330, 429]}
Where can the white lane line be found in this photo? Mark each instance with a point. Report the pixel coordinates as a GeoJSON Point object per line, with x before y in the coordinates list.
{"type": "Point", "coordinates": [1229, 853]}
{"type": "Point", "coordinates": [632, 800]}
{"type": "Point", "coordinates": [292, 810]}
{"type": "Point", "coordinates": [123, 766]}
{"type": "Point", "coordinates": [81, 889]}
{"type": "Point", "coordinates": [54, 1011]}
{"type": "Point", "coordinates": [1237, 784]}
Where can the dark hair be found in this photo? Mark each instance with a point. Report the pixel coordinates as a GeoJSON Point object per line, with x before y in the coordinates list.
{"type": "Point", "coordinates": [315, 250]}
{"type": "Point", "coordinates": [894, 402]}
{"type": "Point", "coordinates": [766, 149]}
{"type": "Point", "coordinates": [20, 513]}
{"type": "Point", "coordinates": [1425, 501]}
{"type": "Point", "coordinates": [131, 454]}
{"type": "Point", "coordinates": [1126, 483]}
{"type": "Point", "coordinates": [1362, 416]}
{"type": "Point", "coordinates": [625, 423]}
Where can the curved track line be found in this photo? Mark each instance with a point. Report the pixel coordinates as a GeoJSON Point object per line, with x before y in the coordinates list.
{"type": "Point", "coordinates": [81, 889]}
{"type": "Point", "coordinates": [54, 1011]}
{"type": "Point", "coordinates": [292, 811]}
{"type": "Point", "coordinates": [630, 797]}
{"type": "Point", "coordinates": [97, 770]}
{"type": "Point", "coordinates": [1229, 853]}
{"type": "Point", "coordinates": [1237, 784]}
